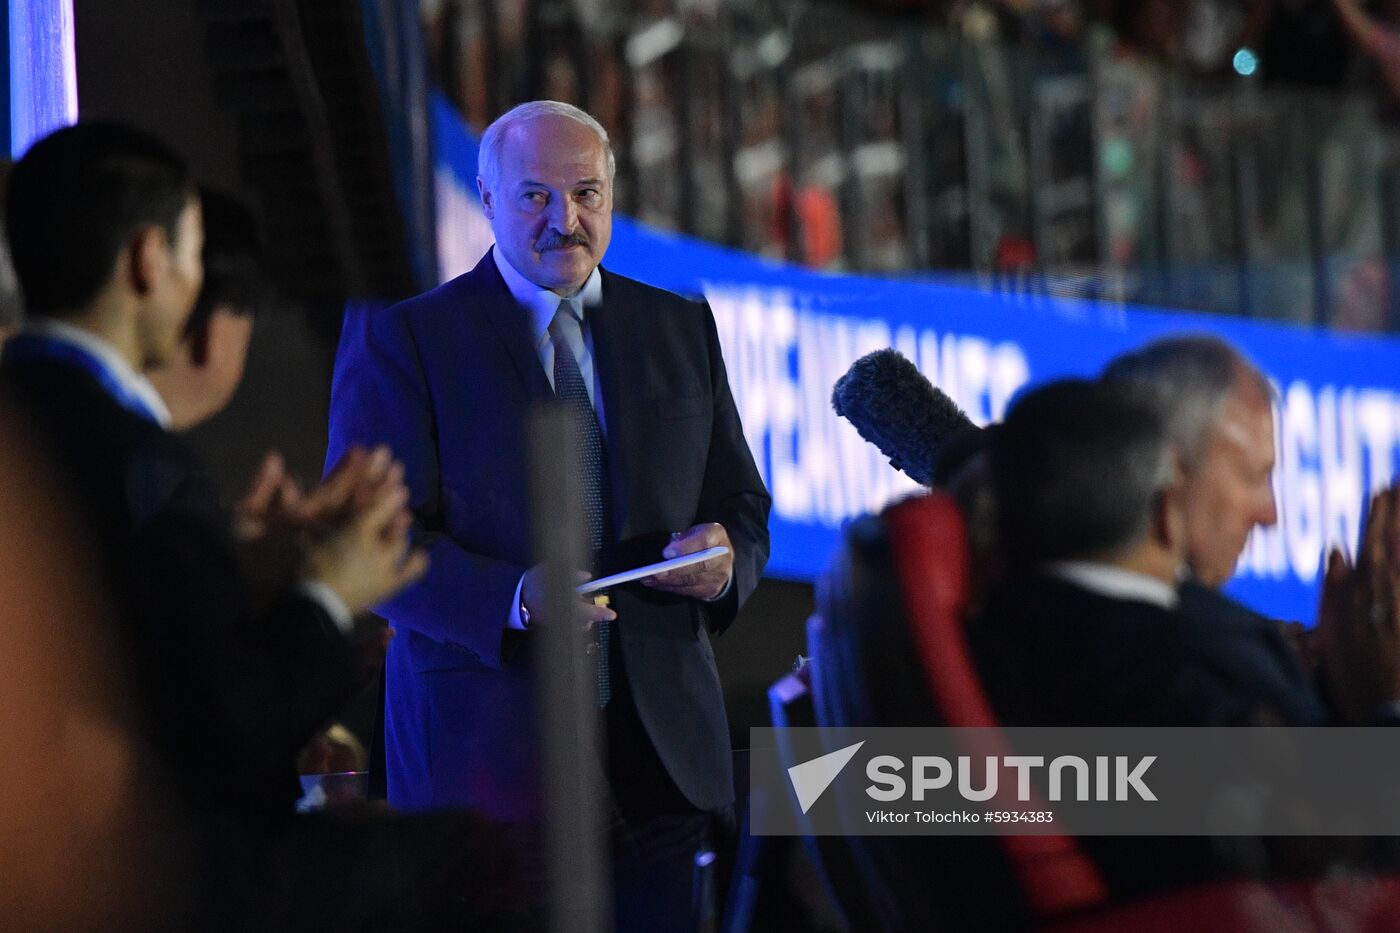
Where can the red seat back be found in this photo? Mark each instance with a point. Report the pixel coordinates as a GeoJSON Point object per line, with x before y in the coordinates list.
{"type": "Point", "coordinates": [928, 539]}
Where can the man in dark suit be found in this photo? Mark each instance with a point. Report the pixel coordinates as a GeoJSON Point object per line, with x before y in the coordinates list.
{"type": "Point", "coordinates": [446, 380]}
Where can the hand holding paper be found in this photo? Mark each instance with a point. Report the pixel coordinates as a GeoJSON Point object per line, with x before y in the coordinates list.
{"type": "Point", "coordinates": [704, 581]}
{"type": "Point", "coordinates": [532, 589]}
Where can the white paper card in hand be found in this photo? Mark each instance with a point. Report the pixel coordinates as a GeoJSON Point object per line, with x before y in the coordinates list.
{"type": "Point", "coordinates": [651, 570]}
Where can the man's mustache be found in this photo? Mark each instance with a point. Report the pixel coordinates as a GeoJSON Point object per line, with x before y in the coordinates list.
{"type": "Point", "coordinates": [560, 240]}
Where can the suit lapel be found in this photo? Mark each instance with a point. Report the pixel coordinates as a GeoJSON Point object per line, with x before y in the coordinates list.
{"type": "Point", "coordinates": [622, 399]}
{"type": "Point", "coordinates": [508, 319]}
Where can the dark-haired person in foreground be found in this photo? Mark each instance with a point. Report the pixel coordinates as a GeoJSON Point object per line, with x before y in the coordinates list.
{"type": "Point", "coordinates": [106, 230]}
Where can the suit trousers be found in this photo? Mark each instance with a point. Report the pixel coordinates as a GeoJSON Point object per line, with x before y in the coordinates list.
{"type": "Point", "coordinates": [659, 835]}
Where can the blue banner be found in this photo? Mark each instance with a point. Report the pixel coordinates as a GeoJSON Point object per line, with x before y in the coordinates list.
{"type": "Point", "coordinates": [789, 334]}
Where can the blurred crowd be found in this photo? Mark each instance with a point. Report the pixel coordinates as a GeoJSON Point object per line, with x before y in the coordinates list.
{"type": "Point", "coordinates": [1319, 44]}
{"type": "Point", "coordinates": [1156, 153]}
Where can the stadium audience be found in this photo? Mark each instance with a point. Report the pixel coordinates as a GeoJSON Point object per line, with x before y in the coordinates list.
{"type": "Point", "coordinates": [1375, 29]}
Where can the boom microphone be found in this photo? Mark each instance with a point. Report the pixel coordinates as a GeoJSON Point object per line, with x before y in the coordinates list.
{"type": "Point", "coordinates": [896, 408]}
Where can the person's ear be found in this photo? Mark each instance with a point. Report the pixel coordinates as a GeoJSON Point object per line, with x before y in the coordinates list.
{"type": "Point", "coordinates": [1169, 512]}
{"type": "Point", "coordinates": [488, 203]}
{"type": "Point", "coordinates": [146, 257]}
{"type": "Point", "coordinates": [1166, 526]}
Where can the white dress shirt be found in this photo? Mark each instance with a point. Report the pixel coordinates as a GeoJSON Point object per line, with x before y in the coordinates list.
{"type": "Point", "coordinates": [542, 304]}
{"type": "Point", "coordinates": [1116, 583]}
{"type": "Point", "coordinates": [105, 356]}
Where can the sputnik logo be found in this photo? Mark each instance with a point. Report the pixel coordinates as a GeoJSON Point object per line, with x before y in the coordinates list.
{"type": "Point", "coordinates": [811, 778]}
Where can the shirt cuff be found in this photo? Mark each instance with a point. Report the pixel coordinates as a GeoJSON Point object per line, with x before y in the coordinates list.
{"type": "Point", "coordinates": [513, 621]}
{"type": "Point", "coordinates": [329, 600]}
{"type": "Point", "coordinates": [729, 585]}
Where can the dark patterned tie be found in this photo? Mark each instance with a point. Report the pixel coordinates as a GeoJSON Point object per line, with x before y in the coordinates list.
{"type": "Point", "coordinates": [593, 461]}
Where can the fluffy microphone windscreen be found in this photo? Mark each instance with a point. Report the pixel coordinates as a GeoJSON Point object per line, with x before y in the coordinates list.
{"type": "Point", "coordinates": [896, 408]}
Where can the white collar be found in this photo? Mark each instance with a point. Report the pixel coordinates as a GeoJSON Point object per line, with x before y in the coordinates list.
{"type": "Point", "coordinates": [541, 302]}
{"type": "Point", "coordinates": [108, 358]}
{"type": "Point", "coordinates": [1116, 582]}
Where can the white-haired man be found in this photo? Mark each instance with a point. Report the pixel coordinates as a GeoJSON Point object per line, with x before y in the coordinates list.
{"type": "Point", "coordinates": [446, 379]}
{"type": "Point", "coordinates": [1217, 408]}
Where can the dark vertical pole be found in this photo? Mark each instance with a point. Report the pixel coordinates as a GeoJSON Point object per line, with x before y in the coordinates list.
{"type": "Point", "coordinates": [1038, 163]}
{"type": "Point", "coordinates": [413, 141]}
{"type": "Point", "coordinates": [1166, 193]}
{"type": "Point", "coordinates": [491, 55]}
{"type": "Point", "coordinates": [451, 61]}
{"type": "Point", "coordinates": [536, 50]}
{"type": "Point", "coordinates": [1317, 225]}
{"type": "Point", "coordinates": [732, 131]}
{"type": "Point", "coordinates": [681, 71]}
{"type": "Point", "coordinates": [913, 92]}
{"type": "Point", "coordinates": [1242, 197]}
{"type": "Point", "coordinates": [1036, 126]}
{"type": "Point", "coordinates": [1390, 233]}
{"type": "Point", "coordinates": [575, 860]}
{"type": "Point", "coordinates": [1098, 190]}
{"type": "Point", "coordinates": [581, 48]}
{"type": "Point", "coordinates": [850, 108]}
{"type": "Point", "coordinates": [792, 137]}
{"type": "Point", "coordinates": [975, 160]}
{"type": "Point", "coordinates": [625, 194]}
{"type": "Point", "coordinates": [953, 124]}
